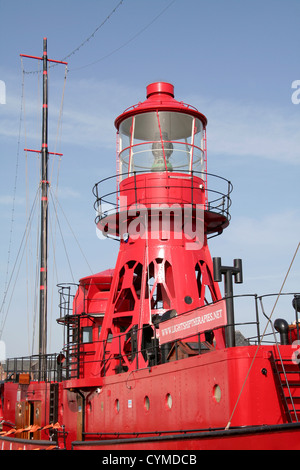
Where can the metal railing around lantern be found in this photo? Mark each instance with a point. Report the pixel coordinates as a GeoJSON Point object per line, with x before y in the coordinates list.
{"type": "Point", "coordinates": [217, 194]}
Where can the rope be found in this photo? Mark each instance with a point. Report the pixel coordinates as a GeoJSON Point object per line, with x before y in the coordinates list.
{"type": "Point", "coordinates": [14, 193]}
{"type": "Point", "coordinates": [25, 245]}
{"type": "Point", "coordinates": [35, 295]}
{"type": "Point", "coordinates": [115, 50]}
{"type": "Point", "coordinates": [53, 232]}
{"type": "Point", "coordinates": [259, 345]}
{"type": "Point", "coordinates": [129, 40]}
{"type": "Point", "coordinates": [59, 127]}
{"type": "Point", "coordinates": [93, 34]}
{"type": "Point", "coordinates": [27, 208]}
{"type": "Point", "coordinates": [23, 239]}
{"type": "Point", "coordinates": [70, 227]}
{"type": "Point", "coordinates": [63, 241]}
{"type": "Point", "coordinates": [54, 272]}
{"type": "Point", "coordinates": [85, 41]}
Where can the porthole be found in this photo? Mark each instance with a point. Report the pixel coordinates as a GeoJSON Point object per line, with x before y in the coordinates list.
{"type": "Point", "coordinates": [188, 300]}
{"type": "Point", "coordinates": [117, 406]}
{"type": "Point", "coordinates": [217, 393]}
{"type": "Point", "coordinates": [146, 403]}
{"type": "Point", "coordinates": [169, 401]}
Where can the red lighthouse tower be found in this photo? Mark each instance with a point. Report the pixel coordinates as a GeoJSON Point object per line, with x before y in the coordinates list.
{"type": "Point", "coordinates": [165, 210]}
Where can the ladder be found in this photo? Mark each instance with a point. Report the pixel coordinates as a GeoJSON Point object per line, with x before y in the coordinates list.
{"type": "Point", "coordinates": [287, 374]}
{"type": "Point", "coordinates": [53, 403]}
{"type": "Point", "coordinates": [73, 349]}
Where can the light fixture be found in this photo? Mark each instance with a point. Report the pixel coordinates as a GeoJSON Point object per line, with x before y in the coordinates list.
{"type": "Point", "coordinates": [162, 149]}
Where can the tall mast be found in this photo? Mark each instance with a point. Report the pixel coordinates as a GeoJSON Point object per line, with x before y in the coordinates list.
{"type": "Point", "coordinates": [44, 183]}
{"type": "Point", "coordinates": [44, 211]}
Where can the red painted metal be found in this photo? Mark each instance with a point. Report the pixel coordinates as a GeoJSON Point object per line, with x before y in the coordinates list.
{"type": "Point", "coordinates": [168, 256]}
{"type": "Point", "coordinates": [39, 151]}
{"type": "Point", "coordinates": [120, 383]}
{"type": "Point", "coordinates": [41, 58]}
{"type": "Point", "coordinates": [256, 438]}
{"type": "Point", "coordinates": [192, 323]}
{"type": "Point", "coordinates": [160, 95]}
{"type": "Point", "coordinates": [7, 443]}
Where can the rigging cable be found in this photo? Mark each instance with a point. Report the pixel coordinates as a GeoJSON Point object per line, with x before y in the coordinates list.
{"type": "Point", "coordinates": [258, 346]}
{"type": "Point", "coordinates": [29, 257]}
{"type": "Point", "coordinates": [63, 241]}
{"type": "Point", "coordinates": [93, 34]}
{"type": "Point", "coordinates": [36, 270]}
{"type": "Point", "coordinates": [14, 196]}
{"type": "Point", "coordinates": [23, 238]}
{"type": "Point", "coordinates": [36, 284]}
{"type": "Point", "coordinates": [53, 232]}
{"type": "Point", "coordinates": [118, 48]}
{"type": "Point", "coordinates": [86, 40]}
{"type": "Point", "coordinates": [72, 231]}
{"type": "Point", "coordinates": [58, 132]}
{"type": "Point", "coordinates": [129, 40]}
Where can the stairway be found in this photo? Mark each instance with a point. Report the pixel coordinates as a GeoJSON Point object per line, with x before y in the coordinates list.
{"type": "Point", "coordinates": [288, 382]}
{"type": "Point", "coordinates": [53, 404]}
{"type": "Point", "coordinates": [73, 340]}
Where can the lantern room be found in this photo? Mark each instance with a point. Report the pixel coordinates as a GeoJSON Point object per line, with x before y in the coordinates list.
{"type": "Point", "coordinates": [162, 159]}
{"type": "Point", "coordinates": [161, 135]}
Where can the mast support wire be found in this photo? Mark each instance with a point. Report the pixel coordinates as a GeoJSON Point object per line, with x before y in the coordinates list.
{"type": "Point", "coordinates": [23, 239]}
{"type": "Point", "coordinates": [14, 193]}
{"type": "Point", "coordinates": [81, 45]}
{"type": "Point", "coordinates": [259, 345]}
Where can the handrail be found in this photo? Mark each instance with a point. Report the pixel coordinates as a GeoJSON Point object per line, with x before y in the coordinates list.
{"type": "Point", "coordinates": [57, 370]}
{"type": "Point", "coordinates": [220, 201]}
{"type": "Point", "coordinates": [34, 366]}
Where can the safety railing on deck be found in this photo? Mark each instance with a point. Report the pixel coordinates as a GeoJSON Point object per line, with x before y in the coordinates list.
{"type": "Point", "coordinates": [53, 367]}
{"type": "Point", "coordinates": [33, 368]}
{"type": "Point", "coordinates": [217, 193]}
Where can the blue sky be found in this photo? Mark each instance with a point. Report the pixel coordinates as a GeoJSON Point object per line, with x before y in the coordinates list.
{"type": "Point", "coordinates": [235, 61]}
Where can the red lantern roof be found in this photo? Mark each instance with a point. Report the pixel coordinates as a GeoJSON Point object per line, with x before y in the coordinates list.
{"type": "Point", "coordinates": [160, 97]}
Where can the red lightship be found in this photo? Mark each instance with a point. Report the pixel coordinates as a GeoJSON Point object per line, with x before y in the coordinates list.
{"type": "Point", "coordinates": [153, 359]}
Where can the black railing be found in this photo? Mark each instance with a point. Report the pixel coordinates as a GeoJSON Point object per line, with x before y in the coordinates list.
{"type": "Point", "coordinates": [38, 367]}
{"type": "Point", "coordinates": [56, 368]}
{"type": "Point", "coordinates": [217, 198]}
{"type": "Point", "coordinates": [67, 294]}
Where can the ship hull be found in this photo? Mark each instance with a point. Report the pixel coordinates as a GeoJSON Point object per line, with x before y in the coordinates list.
{"type": "Point", "coordinates": [181, 405]}
{"type": "Point", "coordinates": [12, 443]}
{"type": "Point", "coordinates": [278, 437]}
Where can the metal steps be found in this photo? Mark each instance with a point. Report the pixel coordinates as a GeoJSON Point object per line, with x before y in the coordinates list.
{"type": "Point", "coordinates": [288, 381]}
{"type": "Point", "coordinates": [73, 341]}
